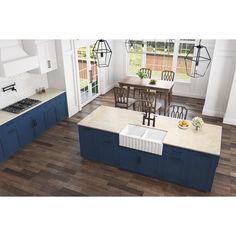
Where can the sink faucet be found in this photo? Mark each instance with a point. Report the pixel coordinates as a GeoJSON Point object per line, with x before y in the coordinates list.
{"type": "Point", "coordinates": [147, 116]}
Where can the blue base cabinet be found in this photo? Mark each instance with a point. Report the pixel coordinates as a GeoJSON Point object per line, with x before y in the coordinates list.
{"type": "Point", "coordinates": [2, 153]}
{"type": "Point", "coordinates": [184, 167]}
{"type": "Point", "coordinates": [22, 130]}
{"type": "Point", "coordinates": [12, 138]}
{"type": "Point", "coordinates": [99, 146]}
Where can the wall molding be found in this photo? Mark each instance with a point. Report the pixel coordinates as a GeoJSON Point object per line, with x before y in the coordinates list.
{"type": "Point", "coordinates": [189, 95]}
{"type": "Point", "coordinates": [230, 121]}
{"type": "Point", "coordinates": [208, 112]}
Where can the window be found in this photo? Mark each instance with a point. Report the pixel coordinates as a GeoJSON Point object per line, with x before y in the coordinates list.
{"type": "Point", "coordinates": [135, 58]}
{"type": "Point", "coordinates": [160, 55]}
{"type": "Point", "coordinates": [184, 48]}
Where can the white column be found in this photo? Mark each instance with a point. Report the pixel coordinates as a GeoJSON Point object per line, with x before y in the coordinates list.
{"type": "Point", "coordinates": [221, 76]}
{"type": "Point", "coordinates": [230, 115]}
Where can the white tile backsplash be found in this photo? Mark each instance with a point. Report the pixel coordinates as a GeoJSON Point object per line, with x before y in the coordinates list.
{"type": "Point", "coordinates": [26, 84]}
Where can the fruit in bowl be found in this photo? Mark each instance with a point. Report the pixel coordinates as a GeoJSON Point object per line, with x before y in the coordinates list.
{"type": "Point", "coordinates": [183, 124]}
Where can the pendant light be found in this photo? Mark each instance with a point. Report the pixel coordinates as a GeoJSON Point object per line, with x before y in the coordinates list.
{"type": "Point", "coordinates": [130, 45]}
{"type": "Point", "coordinates": [196, 66]}
{"type": "Point", "coordinates": [102, 53]}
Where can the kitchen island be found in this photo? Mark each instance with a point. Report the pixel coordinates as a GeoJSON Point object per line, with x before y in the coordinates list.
{"type": "Point", "coordinates": [189, 157]}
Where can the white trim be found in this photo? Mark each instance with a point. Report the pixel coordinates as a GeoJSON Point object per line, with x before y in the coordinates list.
{"type": "Point", "coordinates": [189, 95]}
{"type": "Point", "coordinates": [215, 113]}
{"type": "Point", "coordinates": [230, 121]}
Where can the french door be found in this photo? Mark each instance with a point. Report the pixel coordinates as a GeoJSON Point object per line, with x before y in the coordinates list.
{"type": "Point", "coordinates": [88, 74]}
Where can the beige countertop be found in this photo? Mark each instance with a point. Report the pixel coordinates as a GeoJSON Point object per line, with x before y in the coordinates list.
{"type": "Point", "coordinates": [207, 139]}
{"type": "Point", "coordinates": [44, 97]}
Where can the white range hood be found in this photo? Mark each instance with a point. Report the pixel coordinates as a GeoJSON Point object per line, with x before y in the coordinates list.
{"type": "Point", "coordinates": [14, 61]}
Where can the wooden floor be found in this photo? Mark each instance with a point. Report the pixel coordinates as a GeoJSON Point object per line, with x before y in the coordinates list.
{"type": "Point", "coordinates": [52, 166]}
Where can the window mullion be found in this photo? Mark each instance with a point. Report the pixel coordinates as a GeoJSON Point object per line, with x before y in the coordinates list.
{"type": "Point", "coordinates": [175, 55]}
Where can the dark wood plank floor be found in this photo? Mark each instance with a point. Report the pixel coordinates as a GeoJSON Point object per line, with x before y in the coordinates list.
{"type": "Point", "coordinates": [52, 166]}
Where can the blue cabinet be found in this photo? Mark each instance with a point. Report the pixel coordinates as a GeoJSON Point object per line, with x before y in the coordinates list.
{"type": "Point", "coordinates": [188, 168]}
{"type": "Point", "coordinates": [23, 129]}
{"type": "Point", "coordinates": [201, 169]}
{"type": "Point", "coordinates": [129, 159]}
{"type": "Point", "coordinates": [89, 143]}
{"type": "Point", "coordinates": [2, 153]}
{"type": "Point", "coordinates": [108, 148]}
{"type": "Point", "coordinates": [32, 125]}
{"type": "Point", "coordinates": [50, 114]}
{"type": "Point", "coordinates": [98, 145]}
{"type": "Point", "coordinates": [141, 162]}
{"type": "Point", "coordinates": [12, 140]}
{"type": "Point", "coordinates": [174, 164]}
{"type": "Point", "coordinates": [61, 107]}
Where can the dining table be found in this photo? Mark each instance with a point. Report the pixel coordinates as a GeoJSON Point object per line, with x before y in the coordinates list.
{"type": "Point", "coordinates": [161, 86]}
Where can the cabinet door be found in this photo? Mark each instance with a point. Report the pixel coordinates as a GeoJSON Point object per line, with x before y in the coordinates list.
{"type": "Point", "coordinates": [61, 107]}
{"type": "Point", "coordinates": [174, 164]}
{"type": "Point", "coordinates": [47, 56]}
{"type": "Point", "coordinates": [2, 153]}
{"type": "Point", "coordinates": [25, 128]}
{"type": "Point", "coordinates": [149, 164]}
{"type": "Point", "coordinates": [38, 121]}
{"type": "Point", "coordinates": [109, 148]}
{"type": "Point", "coordinates": [129, 159]}
{"type": "Point", "coordinates": [11, 138]}
{"type": "Point", "coordinates": [201, 170]}
{"type": "Point", "coordinates": [89, 143]}
{"type": "Point", "coordinates": [51, 55]}
{"type": "Point", "coordinates": [50, 114]}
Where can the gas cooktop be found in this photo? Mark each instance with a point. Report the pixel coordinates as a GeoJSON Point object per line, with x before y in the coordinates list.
{"type": "Point", "coordinates": [21, 106]}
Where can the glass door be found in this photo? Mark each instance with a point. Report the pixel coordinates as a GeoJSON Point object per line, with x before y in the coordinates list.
{"type": "Point", "coordinates": [88, 74]}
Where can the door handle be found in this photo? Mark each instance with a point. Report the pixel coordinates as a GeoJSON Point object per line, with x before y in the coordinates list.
{"type": "Point", "coordinates": [49, 64]}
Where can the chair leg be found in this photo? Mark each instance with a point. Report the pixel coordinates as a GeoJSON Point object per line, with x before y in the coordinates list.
{"type": "Point", "coordinates": [134, 106]}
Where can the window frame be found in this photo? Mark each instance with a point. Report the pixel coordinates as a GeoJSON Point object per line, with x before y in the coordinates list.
{"type": "Point", "coordinates": [177, 43]}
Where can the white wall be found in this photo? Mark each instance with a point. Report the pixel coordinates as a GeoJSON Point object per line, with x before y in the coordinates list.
{"type": "Point", "coordinates": [196, 88]}
{"type": "Point", "coordinates": [26, 83]}
{"type": "Point", "coordinates": [221, 76]}
{"type": "Point", "coordinates": [230, 114]}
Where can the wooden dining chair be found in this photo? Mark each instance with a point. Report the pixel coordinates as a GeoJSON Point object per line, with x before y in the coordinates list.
{"type": "Point", "coordinates": [149, 75]}
{"type": "Point", "coordinates": [147, 98]}
{"type": "Point", "coordinates": [122, 99]}
{"type": "Point", "coordinates": [147, 71]}
{"type": "Point", "coordinates": [168, 75]}
{"type": "Point", "coordinates": [176, 111]}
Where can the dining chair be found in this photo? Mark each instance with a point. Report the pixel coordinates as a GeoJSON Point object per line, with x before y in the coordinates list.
{"type": "Point", "coordinates": [168, 75]}
{"type": "Point", "coordinates": [176, 111]}
{"type": "Point", "coordinates": [122, 99]}
{"type": "Point", "coordinates": [149, 75]}
{"type": "Point", "coordinates": [148, 100]}
{"type": "Point", "coordinates": [147, 71]}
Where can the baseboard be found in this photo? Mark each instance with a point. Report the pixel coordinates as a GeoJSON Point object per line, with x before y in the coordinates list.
{"type": "Point", "coordinates": [214, 113]}
{"type": "Point", "coordinates": [107, 89]}
{"type": "Point", "coordinates": [189, 95]}
{"type": "Point", "coordinates": [229, 121]}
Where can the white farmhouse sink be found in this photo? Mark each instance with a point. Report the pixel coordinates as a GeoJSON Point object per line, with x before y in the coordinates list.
{"type": "Point", "coordinates": [142, 138]}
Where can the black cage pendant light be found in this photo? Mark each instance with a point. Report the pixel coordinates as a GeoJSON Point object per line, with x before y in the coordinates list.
{"type": "Point", "coordinates": [196, 66]}
{"type": "Point", "coordinates": [102, 52]}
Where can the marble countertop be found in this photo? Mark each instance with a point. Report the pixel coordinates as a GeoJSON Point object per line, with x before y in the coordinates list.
{"type": "Point", "coordinates": [207, 139]}
{"type": "Point", "coordinates": [44, 97]}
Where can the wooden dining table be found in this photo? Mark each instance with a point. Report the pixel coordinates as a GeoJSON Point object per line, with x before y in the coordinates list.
{"type": "Point", "coordinates": [161, 86]}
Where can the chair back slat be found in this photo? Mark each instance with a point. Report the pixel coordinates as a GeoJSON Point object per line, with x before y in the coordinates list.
{"type": "Point", "coordinates": [168, 75]}
{"type": "Point", "coordinates": [148, 101]}
{"type": "Point", "coordinates": [147, 71]}
{"type": "Point", "coordinates": [121, 95]}
{"type": "Point", "coordinates": [176, 111]}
